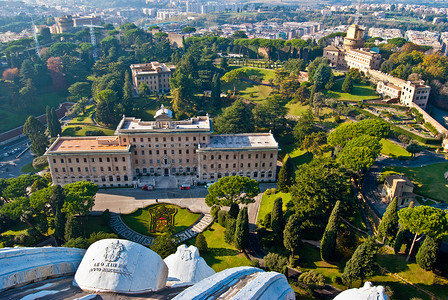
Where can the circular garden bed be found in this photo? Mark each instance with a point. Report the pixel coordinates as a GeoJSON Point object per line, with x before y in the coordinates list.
{"type": "Point", "coordinates": [156, 219]}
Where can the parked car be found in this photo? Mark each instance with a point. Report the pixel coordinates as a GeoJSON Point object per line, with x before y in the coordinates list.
{"type": "Point", "coordinates": [185, 187]}
{"type": "Point", "coordinates": [148, 188]}
{"type": "Point", "coordinates": [209, 185]}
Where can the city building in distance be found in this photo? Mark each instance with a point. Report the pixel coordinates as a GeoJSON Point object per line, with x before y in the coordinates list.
{"type": "Point", "coordinates": [156, 75]}
{"type": "Point", "coordinates": [163, 147]}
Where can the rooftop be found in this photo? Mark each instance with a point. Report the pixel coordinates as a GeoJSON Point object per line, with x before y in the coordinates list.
{"type": "Point", "coordinates": [133, 125]}
{"type": "Point", "coordinates": [87, 144]}
{"type": "Point", "coordinates": [241, 141]}
{"type": "Point", "coordinates": [150, 68]}
{"type": "Point", "coordinates": [391, 178]}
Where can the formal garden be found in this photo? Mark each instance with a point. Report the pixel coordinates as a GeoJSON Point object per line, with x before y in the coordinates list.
{"type": "Point", "coordinates": [154, 220]}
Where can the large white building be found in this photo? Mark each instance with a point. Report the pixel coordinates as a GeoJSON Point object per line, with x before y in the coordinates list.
{"type": "Point", "coordinates": [156, 75]}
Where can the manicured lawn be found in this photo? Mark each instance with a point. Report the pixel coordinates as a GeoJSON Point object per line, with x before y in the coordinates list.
{"type": "Point", "coordinates": [267, 203]}
{"type": "Point", "coordinates": [80, 130]}
{"type": "Point", "coordinates": [85, 118]}
{"type": "Point", "coordinates": [139, 220]}
{"type": "Point", "coordinates": [248, 90]}
{"type": "Point", "coordinates": [30, 169]}
{"type": "Point", "coordinates": [394, 150]}
{"type": "Point", "coordinates": [221, 255]}
{"type": "Point", "coordinates": [13, 117]}
{"type": "Point", "coordinates": [359, 92]}
{"type": "Point", "coordinates": [296, 109]}
{"type": "Point", "coordinates": [429, 180]}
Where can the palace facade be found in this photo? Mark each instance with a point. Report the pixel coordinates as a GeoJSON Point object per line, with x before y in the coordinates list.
{"type": "Point", "coordinates": [163, 147]}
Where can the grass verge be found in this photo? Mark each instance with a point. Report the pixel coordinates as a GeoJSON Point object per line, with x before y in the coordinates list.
{"type": "Point", "coordinates": [267, 203]}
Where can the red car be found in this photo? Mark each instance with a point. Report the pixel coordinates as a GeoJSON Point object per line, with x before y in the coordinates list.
{"type": "Point", "coordinates": [148, 188]}
{"type": "Point", "coordinates": [185, 187]}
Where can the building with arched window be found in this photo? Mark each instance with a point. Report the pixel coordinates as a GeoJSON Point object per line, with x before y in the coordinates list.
{"type": "Point", "coordinates": [164, 147]}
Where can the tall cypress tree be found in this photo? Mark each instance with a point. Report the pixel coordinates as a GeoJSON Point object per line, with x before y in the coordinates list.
{"type": "Point", "coordinates": [72, 228]}
{"type": "Point", "coordinates": [286, 175]}
{"type": "Point", "coordinates": [56, 124]}
{"type": "Point", "coordinates": [401, 234]}
{"type": "Point", "coordinates": [292, 238]}
{"type": "Point", "coordinates": [362, 263]}
{"type": "Point", "coordinates": [234, 210]}
{"type": "Point", "coordinates": [427, 254]}
{"type": "Point", "coordinates": [49, 121]}
{"type": "Point", "coordinates": [389, 223]}
{"type": "Point", "coordinates": [328, 243]}
{"type": "Point", "coordinates": [216, 91]}
{"type": "Point", "coordinates": [59, 225]}
{"type": "Point", "coordinates": [241, 239]}
{"type": "Point", "coordinates": [277, 221]}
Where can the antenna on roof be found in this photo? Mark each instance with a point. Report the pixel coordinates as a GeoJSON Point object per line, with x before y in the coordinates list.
{"type": "Point", "coordinates": [93, 38]}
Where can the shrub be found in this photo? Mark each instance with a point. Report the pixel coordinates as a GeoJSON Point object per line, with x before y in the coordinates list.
{"type": "Point", "coordinates": [105, 217]}
{"type": "Point", "coordinates": [229, 234]}
{"type": "Point", "coordinates": [312, 279]}
{"type": "Point", "coordinates": [79, 242]}
{"type": "Point", "coordinates": [431, 128]}
{"type": "Point", "coordinates": [214, 210]}
{"type": "Point", "coordinates": [404, 139]}
{"type": "Point", "coordinates": [275, 262]}
{"type": "Point", "coordinates": [201, 243]}
{"type": "Point", "coordinates": [294, 261]}
{"type": "Point", "coordinates": [222, 215]}
{"type": "Point", "coordinates": [101, 235]}
{"type": "Point", "coordinates": [255, 263]}
{"type": "Point", "coordinates": [40, 162]}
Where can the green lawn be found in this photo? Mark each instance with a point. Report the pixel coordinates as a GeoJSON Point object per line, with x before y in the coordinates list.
{"type": "Point", "coordinates": [80, 130]}
{"type": "Point", "coordinates": [28, 168]}
{"type": "Point", "coordinates": [139, 220]}
{"type": "Point", "coordinates": [221, 255]}
{"type": "Point", "coordinates": [429, 180]}
{"type": "Point", "coordinates": [359, 92]}
{"type": "Point", "coordinates": [85, 118]}
{"type": "Point", "coordinates": [267, 203]}
{"type": "Point", "coordinates": [13, 117]}
{"type": "Point", "coordinates": [394, 150]}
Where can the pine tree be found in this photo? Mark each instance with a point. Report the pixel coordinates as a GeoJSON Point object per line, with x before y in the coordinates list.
{"type": "Point", "coordinates": [201, 243]}
{"type": "Point", "coordinates": [389, 223]}
{"type": "Point", "coordinates": [72, 228]}
{"type": "Point", "coordinates": [362, 263]}
{"type": "Point", "coordinates": [328, 242]}
{"type": "Point", "coordinates": [127, 87]}
{"type": "Point", "coordinates": [286, 175]}
{"type": "Point", "coordinates": [55, 123]}
{"type": "Point", "coordinates": [292, 234]}
{"type": "Point", "coordinates": [241, 239]}
{"type": "Point", "coordinates": [347, 85]}
{"type": "Point", "coordinates": [427, 254]}
{"type": "Point", "coordinates": [234, 210]}
{"type": "Point", "coordinates": [277, 221]}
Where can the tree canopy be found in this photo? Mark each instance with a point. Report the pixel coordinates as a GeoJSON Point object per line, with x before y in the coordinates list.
{"type": "Point", "coordinates": [232, 189]}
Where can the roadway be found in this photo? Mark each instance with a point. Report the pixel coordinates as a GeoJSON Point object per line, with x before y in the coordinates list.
{"type": "Point", "coordinates": [10, 165]}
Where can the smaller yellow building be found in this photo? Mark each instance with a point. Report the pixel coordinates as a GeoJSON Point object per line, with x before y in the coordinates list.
{"type": "Point", "coordinates": [400, 187]}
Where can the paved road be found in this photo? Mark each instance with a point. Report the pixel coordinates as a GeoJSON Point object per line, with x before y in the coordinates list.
{"type": "Point", "coordinates": [423, 158]}
{"type": "Point", "coordinates": [10, 165]}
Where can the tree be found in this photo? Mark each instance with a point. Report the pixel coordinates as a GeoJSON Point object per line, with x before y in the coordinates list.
{"type": "Point", "coordinates": [328, 242]}
{"type": "Point", "coordinates": [399, 239]}
{"type": "Point", "coordinates": [164, 244]}
{"type": "Point", "coordinates": [56, 125]}
{"type": "Point", "coordinates": [233, 76]}
{"type": "Point", "coordinates": [424, 220]}
{"type": "Point", "coordinates": [234, 210]}
{"type": "Point", "coordinates": [286, 175]}
{"type": "Point", "coordinates": [275, 262]}
{"type": "Point", "coordinates": [72, 228]}
{"type": "Point", "coordinates": [229, 234]}
{"type": "Point", "coordinates": [360, 153]}
{"type": "Point", "coordinates": [80, 90]}
{"type": "Point", "coordinates": [241, 239]}
{"type": "Point", "coordinates": [236, 118]}
{"type": "Point", "coordinates": [427, 254]}
{"type": "Point", "coordinates": [80, 198]}
{"type": "Point", "coordinates": [188, 29]}
{"type": "Point", "coordinates": [277, 221]}
{"type": "Point", "coordinates": [414, 148]}
{"type": "Point", "coordinates": [319, 184]}
{"type": "Point", "coordinates": [49, 118]}
{"type": "Point", "coordinates": [314, 142]}
{"type": "Point", "coordinates": [312, 279]}
{"type": "Point", "coordinates": [347, 85]}
{"type": "Point", "coordinates": [292, 238]}
{"type": "Point", "coordinates": [35, 131]}
{"type": "Point", "coordinates": [223, 64]}
{"type": "Point", "coordinates": [232, 189]}
{"type": "Point", "coordinates": [216, 91]}
{"type": "Point", "coordinates": [389, 223]}
{"type": "Point", "coordinates": [362, 264]}
{"type": "Point", "coordinates": [201, 243]}
{"type": "Point", "coordinates": [144, 90]}
{"type": "Point", "coordinates": [304, 126]}
{"type": "Point", "coordinates": [322, 76]}
{"type": "Point", "coordinates": [27, 70]}
{"type": "Point", "coordinates": [59, 225]}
